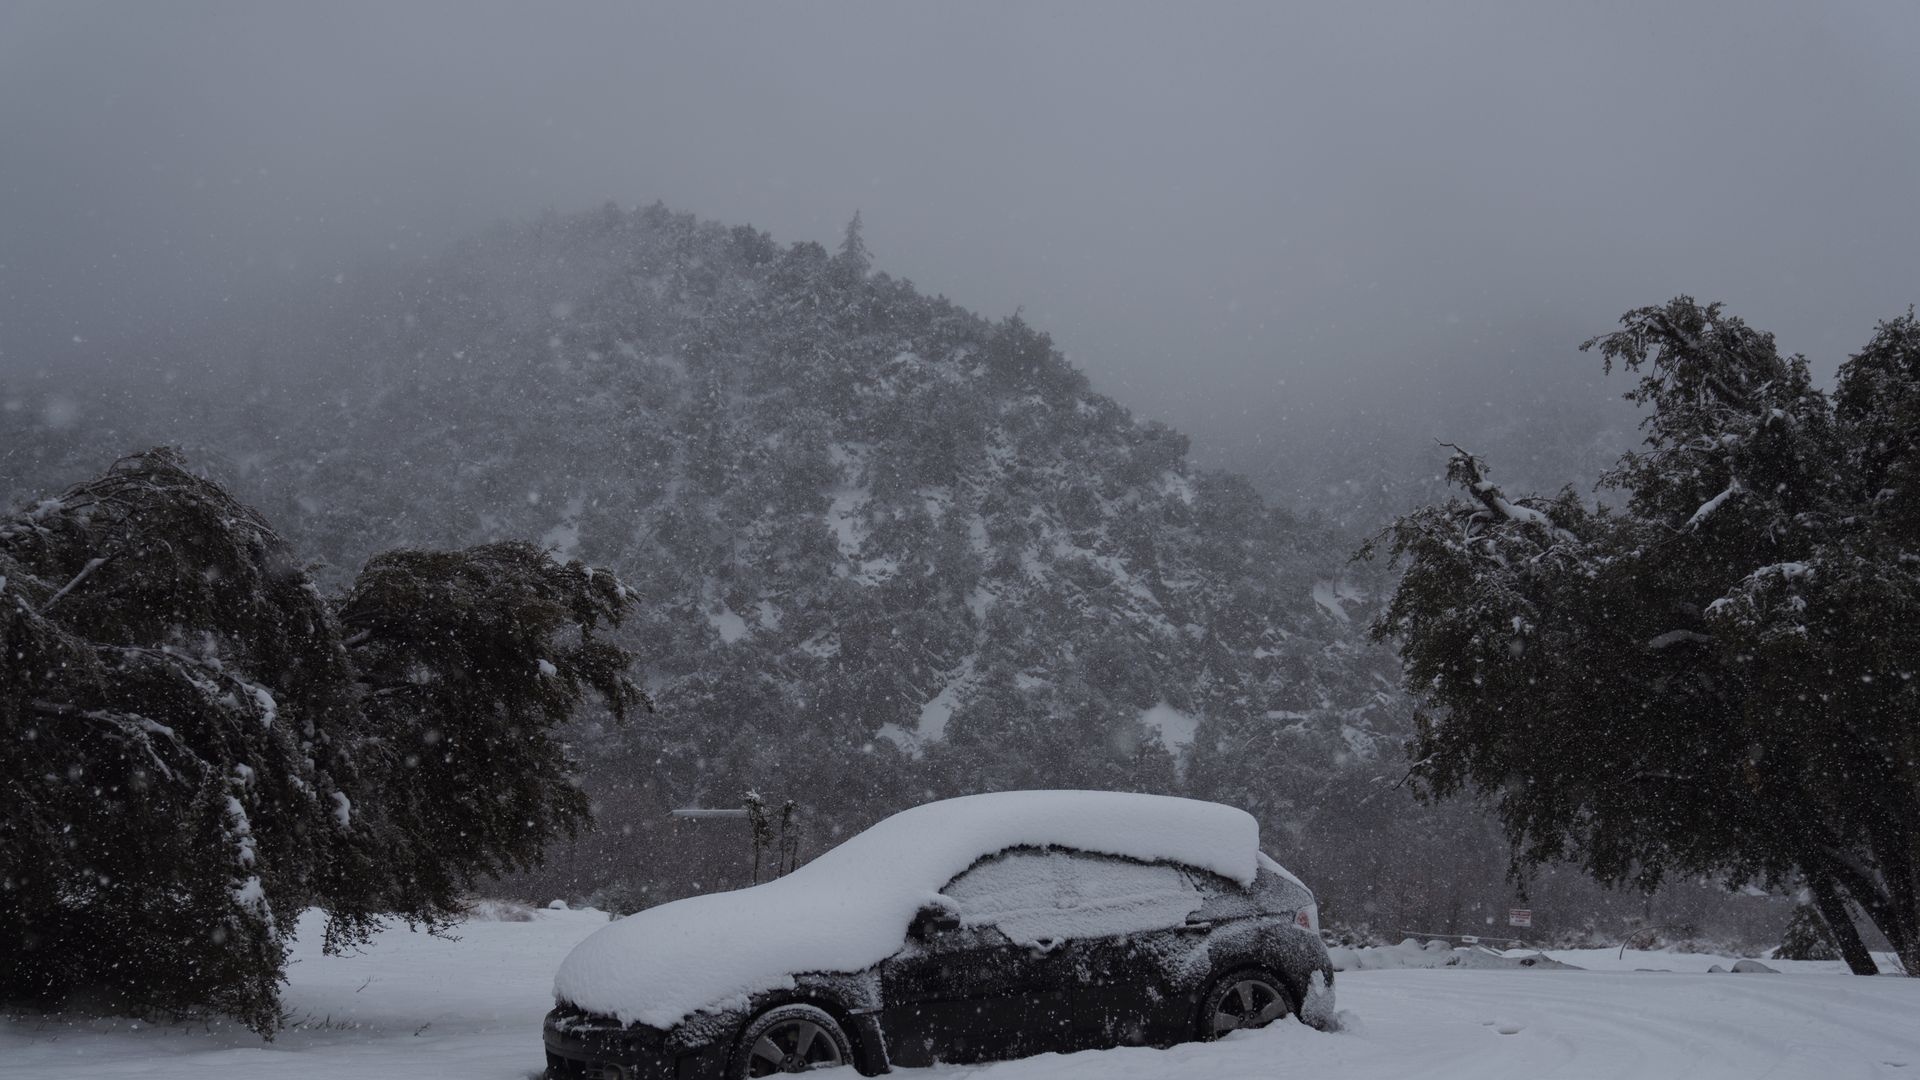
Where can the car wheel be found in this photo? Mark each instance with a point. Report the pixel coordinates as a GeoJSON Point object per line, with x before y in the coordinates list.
{"type": "Point", "coordinates": [1248, 998]}
{"type": "Point", "coordinates": [790, 1039]}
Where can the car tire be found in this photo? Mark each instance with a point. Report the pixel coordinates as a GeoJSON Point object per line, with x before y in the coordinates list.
{"type": "Point", "coordinates": [789, 1039]}
{"type": "Point", "coordinates": [1244, 998]}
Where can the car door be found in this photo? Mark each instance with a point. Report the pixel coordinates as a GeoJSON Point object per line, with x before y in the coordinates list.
{"type": "Point", "coordinates": [1124, 995]}
{"type": "Point", "coordinates": [971, 995]}
{"type": "Point", "coordinates": [1132, 930]}
{"type": "Point", "coordinates": [996, 987]}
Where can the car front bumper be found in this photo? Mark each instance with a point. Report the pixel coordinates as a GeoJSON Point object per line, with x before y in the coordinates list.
{"type": "Point", "coordinates": [584, 1047]}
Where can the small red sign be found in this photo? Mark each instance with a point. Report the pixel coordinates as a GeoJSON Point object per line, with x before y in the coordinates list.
{"type": "Point", "coordinates": [1519, 916]}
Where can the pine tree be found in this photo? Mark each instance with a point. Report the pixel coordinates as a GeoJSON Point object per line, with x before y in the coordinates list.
{"type": "Point", "coordinates": [1717, 677]}
{"type": "Point", "coordinates": [853, 260]}
{"type": "Point", "coordinates": [200, 745]}
{"type": "Point", "coordinates": [1806, 937]}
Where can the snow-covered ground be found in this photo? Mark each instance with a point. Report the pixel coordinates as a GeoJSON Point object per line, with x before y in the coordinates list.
{"type": "Point", "coordinates": [418, 1007]}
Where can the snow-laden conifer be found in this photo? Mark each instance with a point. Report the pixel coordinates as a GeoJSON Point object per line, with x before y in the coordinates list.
{"type": "Point", "coordinates": [199, 744]}
{"type": "Point", "coordinates": [1717, 676]}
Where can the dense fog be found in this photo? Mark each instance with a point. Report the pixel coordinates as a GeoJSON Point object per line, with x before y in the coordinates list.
{"type": "Point", "coordinates": [974, 396]}
{"type": "Point", "coordinates": [1254, 221]}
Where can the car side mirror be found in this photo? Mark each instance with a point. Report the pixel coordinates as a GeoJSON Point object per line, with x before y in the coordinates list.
{"type": "Point", "coordinates": [933, 919]}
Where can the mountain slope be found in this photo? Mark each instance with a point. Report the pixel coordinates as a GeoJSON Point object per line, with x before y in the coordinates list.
{"type": "Point", "coordinates": [884, 547]}
{"type": "Point", "coordinates": [886, 550]}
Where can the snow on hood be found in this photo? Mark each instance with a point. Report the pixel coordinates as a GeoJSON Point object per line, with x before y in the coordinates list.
{"type": "Point", "coordinates": [849, 909]}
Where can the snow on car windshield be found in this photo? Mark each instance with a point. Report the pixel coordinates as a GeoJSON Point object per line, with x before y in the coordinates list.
{"type": "Point", "coordinates": [849, 909]}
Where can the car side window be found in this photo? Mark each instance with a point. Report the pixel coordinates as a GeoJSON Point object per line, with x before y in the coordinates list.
{"type": "Point", "coordinates": [1035, 897]}
{"type": "Point", "coordinates": [1223, 899]}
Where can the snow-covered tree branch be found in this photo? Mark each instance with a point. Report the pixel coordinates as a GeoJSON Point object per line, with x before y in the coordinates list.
{"type": "Point", "coordinates": [194, 756]}
{"type": "Point", "coordinates": [1745, 632]}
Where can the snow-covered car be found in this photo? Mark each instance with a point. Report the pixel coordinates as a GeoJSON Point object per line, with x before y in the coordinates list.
{"type": "Point", "coordinates": [984, 927]}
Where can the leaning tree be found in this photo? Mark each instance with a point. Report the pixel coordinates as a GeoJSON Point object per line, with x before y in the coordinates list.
{"type": "Point", "coordinates": [1715, 671]}
{"type": "Point", "coordinates": [199, 745]}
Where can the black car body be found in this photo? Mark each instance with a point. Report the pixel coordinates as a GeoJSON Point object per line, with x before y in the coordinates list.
{"type": "Point", "coordinates": [1029, 950]}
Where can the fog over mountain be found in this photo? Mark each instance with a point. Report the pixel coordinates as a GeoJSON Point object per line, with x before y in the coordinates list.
{"type": "Point", "coordinates": [1257, 222]}
{"type": "Point", "coordinates": [974, 396]}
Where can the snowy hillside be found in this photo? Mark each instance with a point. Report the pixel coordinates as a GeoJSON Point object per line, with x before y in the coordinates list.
{"type": "Point", "coordinates": [885, 548]}
{"type": "Point", "coordinates": [470, 1009]}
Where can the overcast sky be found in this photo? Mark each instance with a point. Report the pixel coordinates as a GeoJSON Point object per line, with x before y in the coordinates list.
{"type": "Point", "coordinates": [1231, 215]}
